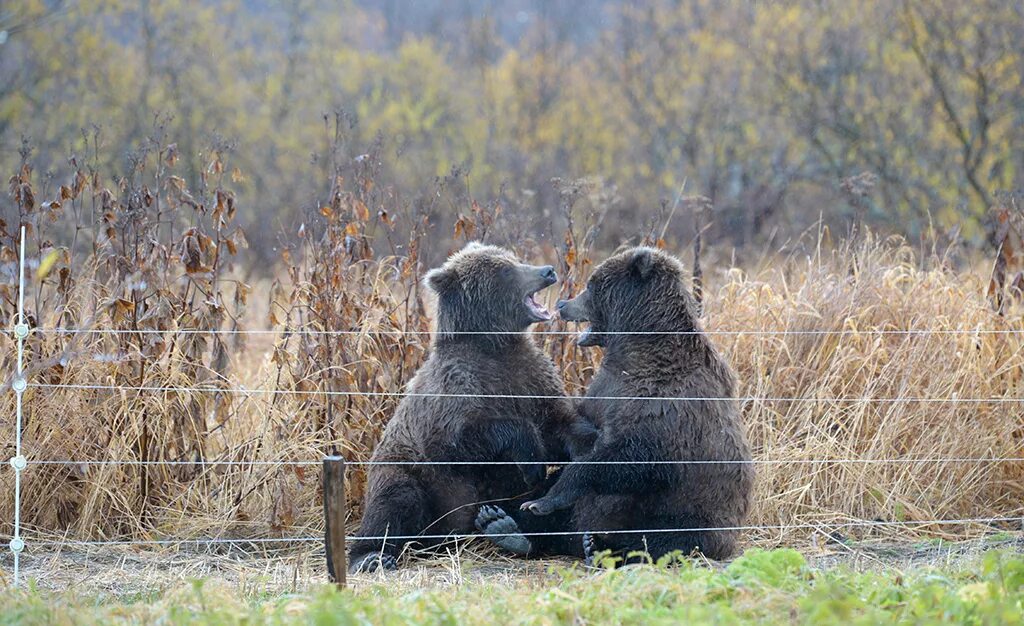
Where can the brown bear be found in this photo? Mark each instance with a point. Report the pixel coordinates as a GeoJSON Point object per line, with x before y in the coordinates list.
{"type": "Point", "coordinates": [454, 410]}
{"type": "Point", "coordinates": [662, 393]}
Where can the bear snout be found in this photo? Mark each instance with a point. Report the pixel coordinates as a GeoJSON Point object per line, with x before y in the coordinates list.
{"type": "Point", "coordinates": [575, 309]}
{"type": "Point", "coordinates": [548, 274]}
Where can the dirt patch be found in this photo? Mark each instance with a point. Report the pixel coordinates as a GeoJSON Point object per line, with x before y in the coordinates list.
{"type": "Point", "coordinates": [125, 571]}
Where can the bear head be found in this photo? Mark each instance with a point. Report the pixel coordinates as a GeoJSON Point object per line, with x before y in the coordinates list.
{"type": "Point", "coordinates": [641, 291]}
{"type": "Point", "coordinates": [485, 289]}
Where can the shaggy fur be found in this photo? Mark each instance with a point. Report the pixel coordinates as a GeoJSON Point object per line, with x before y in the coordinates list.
{"type": "Point", "coordinates": [642, 290]}
{"type": "Point", "coordinates": [481, 289]}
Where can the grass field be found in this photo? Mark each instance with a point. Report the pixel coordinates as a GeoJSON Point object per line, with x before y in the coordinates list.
{"type": "Point", "coordinates": [775, 586]}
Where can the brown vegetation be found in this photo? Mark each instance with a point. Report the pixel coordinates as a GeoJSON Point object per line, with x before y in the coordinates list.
{"type": "Point", "coordinates": [158, 262]}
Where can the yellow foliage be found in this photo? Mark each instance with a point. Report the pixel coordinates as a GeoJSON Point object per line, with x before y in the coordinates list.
{"type": "Point", "coordinates": [732, 97]}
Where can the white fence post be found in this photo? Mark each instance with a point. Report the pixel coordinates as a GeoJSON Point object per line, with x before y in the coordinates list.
{"type": "Point", "coordinates": [19, 384]}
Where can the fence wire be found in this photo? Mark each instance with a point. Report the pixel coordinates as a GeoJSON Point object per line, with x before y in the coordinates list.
{"type": "Point", "coordinates": [40, 541]}
{"type": "Point", "coordinates": [19, 463]}
{"type": "Point", "coordinates": [572, 333]}
{"type": "Point", "coordinates": [513, 396]}
{"type": "Point", "coordinates": [369, 463]}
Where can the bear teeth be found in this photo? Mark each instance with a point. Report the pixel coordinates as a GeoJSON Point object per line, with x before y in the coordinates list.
{"type": "Point", "coordinates": [537, 309]}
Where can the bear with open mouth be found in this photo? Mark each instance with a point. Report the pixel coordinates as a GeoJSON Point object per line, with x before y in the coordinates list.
{"type": "Point", "coordinates": [670, 453]}
{"type": "Point", "coordinates": [485, 393]}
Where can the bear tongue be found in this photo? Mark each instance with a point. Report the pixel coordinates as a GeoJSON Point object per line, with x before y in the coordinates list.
{"type": "Point", "coordinates": [536, 308]}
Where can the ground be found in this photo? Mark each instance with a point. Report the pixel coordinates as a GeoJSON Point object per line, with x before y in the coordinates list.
{"type": "Point", "coordinates": [876, 580]}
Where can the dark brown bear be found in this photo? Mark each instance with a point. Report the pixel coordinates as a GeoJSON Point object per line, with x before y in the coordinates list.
{"type": "Point", "coordinates": [660, 365]}
{"type": "Point", "coordinates": [485, 304]}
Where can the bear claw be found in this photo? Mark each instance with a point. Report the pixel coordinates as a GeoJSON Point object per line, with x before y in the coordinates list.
{"type": "Point", "coordinates": [501, 530]}
{"type": "Point", "coordinates": [373, 562]}
{"type": "Point", "coordinates": [538, 507]}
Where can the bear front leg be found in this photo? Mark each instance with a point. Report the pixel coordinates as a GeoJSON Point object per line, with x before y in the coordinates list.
{"type": "Point", "coordinates": [570, 487]}
{"type": "Point", "coordinates": [581, 437]}
{"type": "Point", "coordinates": [625, 467]}
{"type": "Point", "coordinates": [502, 439]}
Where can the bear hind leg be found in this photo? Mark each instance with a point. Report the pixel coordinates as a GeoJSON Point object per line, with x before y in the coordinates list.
{"type": "Point", "coordinates": [399, 511]}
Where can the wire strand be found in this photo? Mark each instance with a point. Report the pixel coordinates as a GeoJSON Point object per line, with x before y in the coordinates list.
{"type": "Point", "coordinates": [812, 332]}
{"type": "Point", "coordinates": [503, 396]}
{"type": "Point", "coordinates": [457, 536]}
{"type": "Point", "coordinates": [553, 463]}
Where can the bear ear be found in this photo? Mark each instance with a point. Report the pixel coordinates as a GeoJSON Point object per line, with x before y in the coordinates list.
{"type": "Point", "coordinates": [441, 279]}
{"type": "Point", "coordinates": [642, 262]}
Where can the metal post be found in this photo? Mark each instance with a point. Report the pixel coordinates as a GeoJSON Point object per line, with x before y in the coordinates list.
{"type": "Point", "coordinates": [19, 384]}
{"type": "Point", "coordinates": [334, 518]}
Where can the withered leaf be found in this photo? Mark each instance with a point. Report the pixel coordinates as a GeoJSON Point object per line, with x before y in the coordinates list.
{"type": "Point", "coordinates": [280, 357]}
{"type": "Point", "coordinates": [242, 292]}
{"type": "Point", "coordinates": [121, 308]}
{"type": "Point", "coordinates": [177, 182]}
{"type": "Point", "coordinates": [191, 253]}
{"type": "Point", "coordinates": [28, 200]}
{"type": "Point", "coordinates": [239, 238]}
{"type": "Point", "coordinates": [172, 154]}
{"type": "Point", "coordinates": [361, 212]}
{"type": "Point", "coordinates": [80, 182]}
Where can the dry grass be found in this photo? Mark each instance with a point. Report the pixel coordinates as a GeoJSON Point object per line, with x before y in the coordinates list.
{"type": "Point", "coordinates": [355, 271]}
{"type": "Point", "coordinates": [875, 286]}
{"type": "Point", "coordinates": [127, 572]}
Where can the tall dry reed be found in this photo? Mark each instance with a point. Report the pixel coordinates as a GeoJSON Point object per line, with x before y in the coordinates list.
{"type": "Point", "coordinates": [163, 264]}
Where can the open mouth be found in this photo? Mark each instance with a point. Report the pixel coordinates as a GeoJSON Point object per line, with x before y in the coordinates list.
{"type": "Point", "coordinates": [536, 309]}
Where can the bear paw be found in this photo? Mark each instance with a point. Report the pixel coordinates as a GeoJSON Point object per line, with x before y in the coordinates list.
{"type": "Point", "coordinates": [588, 549]}
{"type": "Point", "coordinates": [542, 506]}
{"type": "Point", "coordinates": [372, 562]}
{"type": "Point", "coordinates": [502, 530]}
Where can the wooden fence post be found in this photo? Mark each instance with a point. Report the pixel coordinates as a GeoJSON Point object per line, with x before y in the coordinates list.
{"type": "Point", "coordinates": [334, 518]}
